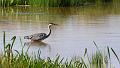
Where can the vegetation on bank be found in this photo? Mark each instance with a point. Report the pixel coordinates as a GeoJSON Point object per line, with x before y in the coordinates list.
{"type": "Point", "coordinates": [22, 60]}
{"type": "Point", "coordinates": [53, 3]}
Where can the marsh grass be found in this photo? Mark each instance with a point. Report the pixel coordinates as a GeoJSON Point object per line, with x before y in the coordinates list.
{"type": "Point", "coordinates": [22, 60]}
{"type": "Point", "coordinates": [53, 3]}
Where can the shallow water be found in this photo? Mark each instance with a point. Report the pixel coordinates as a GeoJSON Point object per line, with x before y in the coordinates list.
{"type": "Point", "coordinates": [77, 29]}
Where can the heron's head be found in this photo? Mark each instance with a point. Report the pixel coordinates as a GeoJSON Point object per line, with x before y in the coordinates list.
{"type": "Point", "coordinates": [52, 24]}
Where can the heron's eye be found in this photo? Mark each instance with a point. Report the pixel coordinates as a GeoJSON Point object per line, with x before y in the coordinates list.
{"type": "Point", "coordinates": [31, 36]}
{"type": "Point", "coordinates": [41, 35]}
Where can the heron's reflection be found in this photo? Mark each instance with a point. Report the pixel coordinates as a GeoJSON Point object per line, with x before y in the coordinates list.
{"type": "Point", "coordinates": [38, 44]}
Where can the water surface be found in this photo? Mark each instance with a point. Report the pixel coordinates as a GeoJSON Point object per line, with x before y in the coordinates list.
{"type": "Point", "coordinates": [77, 29]}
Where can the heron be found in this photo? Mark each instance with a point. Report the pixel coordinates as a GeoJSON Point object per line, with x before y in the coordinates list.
{"type": "Point", "coordinates": [40, 36]}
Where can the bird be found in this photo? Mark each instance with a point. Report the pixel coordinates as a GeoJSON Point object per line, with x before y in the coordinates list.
{"type": "Point", "coordinates": [40, 36]}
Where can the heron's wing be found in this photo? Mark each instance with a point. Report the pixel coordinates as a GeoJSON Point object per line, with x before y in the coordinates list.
{"type": "Point", "coordinates": [38, 36]}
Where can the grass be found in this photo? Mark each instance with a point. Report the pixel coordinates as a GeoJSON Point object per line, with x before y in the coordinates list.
{"type": "Point", "coordinates": [53, 3]}
{"type": "Point", "coordinates": [22, 60]}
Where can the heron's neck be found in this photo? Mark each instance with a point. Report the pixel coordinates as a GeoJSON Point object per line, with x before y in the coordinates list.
{"type": "Point", "coordinates": [49, 27]}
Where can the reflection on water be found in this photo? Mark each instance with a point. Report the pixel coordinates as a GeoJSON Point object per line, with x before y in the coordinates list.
{"type": "Point", "coordinates": [39, 44]}
{"type": "Point", "coordinates": [78, 27]}
{"type": "Point", "coordinates": [36, 43]}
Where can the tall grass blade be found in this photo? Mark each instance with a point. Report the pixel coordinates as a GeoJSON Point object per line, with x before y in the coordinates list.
{"type": "Point", "coordinates": [61, 60]}
{"type": "Point", "coordinates": [27, 49]}
{"type": "Point", "coordinates": [108, 52]}
{"type": "Point", "coordinates": [17, 52]}
{"type": "Point", "coordinates": [13, 38]}
{"type": "Point", "coordinates": [21, 42]}
{"type": "Point", "coordinates": [39, 54]}
{"type": "Point", "coordinates": [84, 65]}
{"type": "Point", "coordinates": [96, 46]}
{"type": "Point", "coordinates": [85, 51]}
{"type": "Point", "coordinates": [57, 59]}
{"type": "Point", "coordinates": [109, 55]}
{"type": "Point", "coordinates": [115, 55]}
{"type": "Point", "coordinates": [4, 40]}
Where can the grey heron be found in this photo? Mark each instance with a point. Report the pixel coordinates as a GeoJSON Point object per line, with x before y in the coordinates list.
{"type": "Point", "coordinates": [40, 36]}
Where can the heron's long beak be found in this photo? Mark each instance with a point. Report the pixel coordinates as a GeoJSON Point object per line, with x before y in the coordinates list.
{"type": "Point", "coordinates": [55, 24]}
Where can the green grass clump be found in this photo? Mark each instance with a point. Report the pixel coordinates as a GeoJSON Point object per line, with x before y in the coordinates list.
{"type": "Point", "coordinates": [99, 60]}
{"type": "Point", "coordinates": [22, 60]}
